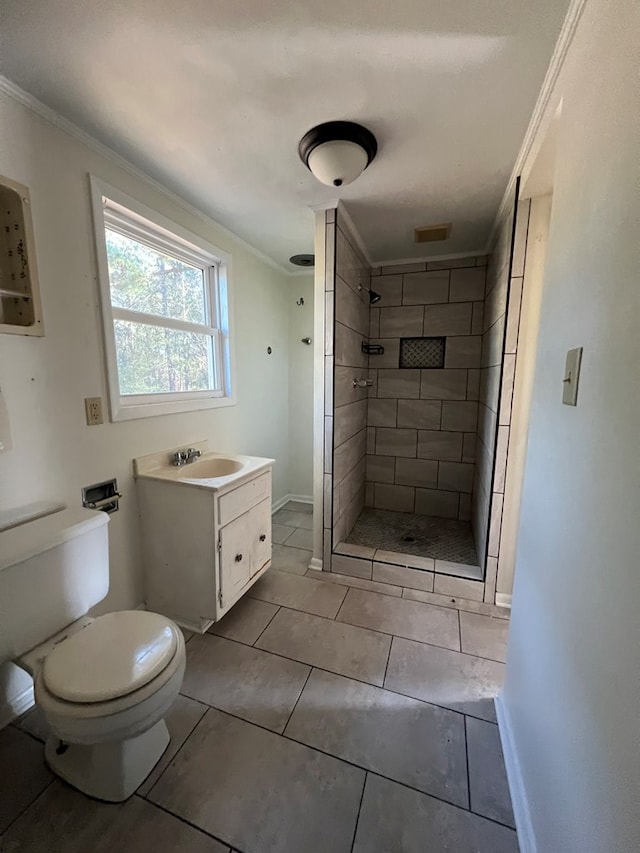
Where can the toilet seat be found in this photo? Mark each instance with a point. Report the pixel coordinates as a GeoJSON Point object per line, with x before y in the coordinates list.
{"type": "Point", "coordinates": [115, 655]}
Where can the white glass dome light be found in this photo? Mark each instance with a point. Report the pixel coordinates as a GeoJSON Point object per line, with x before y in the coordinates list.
{"type": "Point", "coordinates": [337, 152]}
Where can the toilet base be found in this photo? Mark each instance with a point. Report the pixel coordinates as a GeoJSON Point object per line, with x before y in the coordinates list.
{"type": "Point", "coordinates": [109, 771]}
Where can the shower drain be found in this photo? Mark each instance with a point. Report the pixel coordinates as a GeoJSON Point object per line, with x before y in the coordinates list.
{"type": "Point", "coordinates": [409, 538]}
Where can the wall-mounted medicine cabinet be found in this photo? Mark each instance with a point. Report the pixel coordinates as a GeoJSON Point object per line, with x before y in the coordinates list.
{"type": "Point", "coordinates": [20, 311]}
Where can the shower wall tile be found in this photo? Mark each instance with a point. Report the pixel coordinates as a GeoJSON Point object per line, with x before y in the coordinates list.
{"type": "Point", "coordinates": [449, 319]}
{"type": "Point", "coordinates": [382, 412]}
{"type": "Point", "coordinates": [454, 263]}
{"type": "Point", "coordinates": [473, 384]}
{"type": "Point", "coordinates": [399, 498]}
{"type": "Point", "coordinates": [417, 472]}
{"type": "Point", "coordinates": [419, 417]}
{"type": "Point", "coordinates": [440, 445]}
{"type": "Point", "coordinates": [402, 322]}
{"type": "Point", "coordinates": [348, 348]}
{"type": "Point", "coordinates": [438, 503]}
{"type": "Point", "coordinates": [381, 469]}
{"type": "Point", "coordinates": [349, 420]}
{"type": "Point", "coordinates": [391, 356]}
{"type": "Point", "coordinates": [389, 288]}
{"type": "Point", "coordinates": [444, 384]}
{"type": "Point", "coordinates": [374, 322]}
{"type": "Point", "coordinates": [468, 447]}
{"type": "Point", "coordinates": [350, 309]}
{"type": "Point", "coordinates": [425, 288]}
{"type": "Point", "coordinates": [395, 269]}
{"type": "Point", "coordinates": [399, 384]}
{"type": "Point", "coordinates": [349, 328]}
{"type": "Point", "coordinates": [396, 442]}
{"type": "Point", "coordinates": [477, 318]}
{"type": "Point", "coordinates": [419, 414]}
{"type": "Point", "coordinates": [463, 352]}
{"type": "Point", "coordinates": [467, 285]}
{"type": "Point", "coordinates": [464, 507]}
{"type": "Point", "coordinates": [459, 416]}
{"type": "Point", "coordinates": [455, 476]}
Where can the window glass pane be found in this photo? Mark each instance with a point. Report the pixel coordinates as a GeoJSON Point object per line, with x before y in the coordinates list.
{"type": "Point", "coordinates": [145, 279]}
{"type": "Point", "coordinates": [154, 360]}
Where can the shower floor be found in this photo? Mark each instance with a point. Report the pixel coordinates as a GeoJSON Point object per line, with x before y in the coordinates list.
{"type": "Point", "coordinates": [419, 535]}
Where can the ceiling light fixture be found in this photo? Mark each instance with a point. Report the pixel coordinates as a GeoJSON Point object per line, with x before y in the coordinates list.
{"type": "Point", "coordinates": [337, 152]}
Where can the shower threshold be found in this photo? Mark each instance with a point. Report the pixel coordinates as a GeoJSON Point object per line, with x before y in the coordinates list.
{"type": "Point", "coordinates": [449, 542]}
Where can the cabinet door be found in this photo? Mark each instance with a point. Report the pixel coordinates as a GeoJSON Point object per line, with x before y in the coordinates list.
{"type": "Point", "coordinates": [260, 521]}
{"type": "Point", "coordinates": [235, 558]}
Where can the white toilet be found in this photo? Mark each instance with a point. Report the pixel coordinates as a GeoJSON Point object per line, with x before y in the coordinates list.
{"type": "Point", "coordinates": [104, 684]}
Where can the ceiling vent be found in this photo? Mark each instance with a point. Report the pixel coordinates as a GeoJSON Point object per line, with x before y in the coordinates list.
{"type": "Point", "coordinates": [433, 233]}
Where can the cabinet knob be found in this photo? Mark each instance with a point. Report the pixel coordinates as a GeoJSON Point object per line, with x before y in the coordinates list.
{"type": "Point", "coordinates": [238, 558]}
{"type": "Point", "coordinates": [263, 537]}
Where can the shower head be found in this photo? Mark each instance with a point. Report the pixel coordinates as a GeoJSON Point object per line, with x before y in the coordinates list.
{"type": "Point", "coordinates": [374, 297]}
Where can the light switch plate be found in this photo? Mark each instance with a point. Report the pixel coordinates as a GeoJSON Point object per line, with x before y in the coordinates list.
{"type": "Point", "coordinates": [571, 377]}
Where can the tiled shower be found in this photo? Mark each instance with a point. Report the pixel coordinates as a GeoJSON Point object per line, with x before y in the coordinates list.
{"type": "Point", "coordinates": [403, 363]}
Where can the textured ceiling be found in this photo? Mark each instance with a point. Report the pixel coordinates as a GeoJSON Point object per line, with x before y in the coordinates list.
{"type": "Point", "coordinates": [211, 98]}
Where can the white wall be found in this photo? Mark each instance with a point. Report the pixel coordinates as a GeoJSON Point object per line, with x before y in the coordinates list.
{"type": "Point", "coordinates": [572, 693]}
{"type": "Point", "coordinates": [44, 380]}
{"type": "Point", "coordinates": [301, 386]}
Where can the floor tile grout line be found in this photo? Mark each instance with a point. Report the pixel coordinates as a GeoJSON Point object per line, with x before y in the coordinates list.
{"type": "Point", "coordinates": [377, 630]}
{"type": "Point", "coordinates": [355, 828]}
{"type": "Point", "coordinates": [253, 645]}
{"type": "Point", "coordinates": [335, 618]}
{"type": "Point", "coordinates": [341, 675]}
{"type": "Point", "coordinates": [187, 822]}
{"type": "Point", "coordinates": [30, 803]}
{"type": "Point", "coordinates": [466, 756]}
{"type": "Point", "coordinates": [386, 668]}
{"type": "Point", "coordinates": [178, 751]}
{"type": "Point", "coordinates": [351, 763]}
{"type": "Point", "coordinates": [295, 705]}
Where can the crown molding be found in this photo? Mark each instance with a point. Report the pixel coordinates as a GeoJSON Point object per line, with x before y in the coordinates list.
{"type": "Point", "coordinates": [332, 204]}
{"type": "Point", "coordinates": [66, 126]}
{"type": "Point", "coordinates": [565, 39]}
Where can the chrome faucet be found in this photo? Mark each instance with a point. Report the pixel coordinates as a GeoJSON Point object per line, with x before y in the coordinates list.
{"type": "Point", "coordinates": [183, 457]}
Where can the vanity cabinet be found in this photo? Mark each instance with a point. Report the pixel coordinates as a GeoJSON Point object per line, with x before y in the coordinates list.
{"type": "Point", "coordinates": [203, 547]}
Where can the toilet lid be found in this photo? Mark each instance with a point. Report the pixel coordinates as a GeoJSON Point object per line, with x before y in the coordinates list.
{"type": "Point", "coordinates": [114, 655]}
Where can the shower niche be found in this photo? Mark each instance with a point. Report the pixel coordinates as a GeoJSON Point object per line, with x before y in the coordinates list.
{"type": "Point", "coordinates": [20, 311]}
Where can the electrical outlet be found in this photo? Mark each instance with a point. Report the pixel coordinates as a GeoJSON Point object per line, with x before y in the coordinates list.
{"type": "Point", "coordinates": [93, 409]}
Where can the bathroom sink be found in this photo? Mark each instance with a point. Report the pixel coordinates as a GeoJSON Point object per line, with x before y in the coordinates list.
{"type": "Point", "coordinates": [212, 471]}
{"type": "Point", "coordinates": [208, 469]}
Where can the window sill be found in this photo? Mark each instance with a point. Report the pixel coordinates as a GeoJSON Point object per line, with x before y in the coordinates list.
{"type": "Point", "coordinates": [150, 410]}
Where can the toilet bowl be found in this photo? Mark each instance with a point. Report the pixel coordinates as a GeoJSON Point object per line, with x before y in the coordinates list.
{"type": "Point", "coordinates": [103, 684]}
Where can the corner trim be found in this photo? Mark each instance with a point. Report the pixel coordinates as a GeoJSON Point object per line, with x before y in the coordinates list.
{"type": "Point", "coordinates": [16, 707]}
{"type": "Point", "coordinates": [565, 39]}
{"type": "Point", "coordinates": [519, 800]}
{"type": "Point", "coordinates": [315, 564]}
{"type": "Point", "coordinates": [64, 124]}
{"type": "Point", "coordinates": [503, 599]}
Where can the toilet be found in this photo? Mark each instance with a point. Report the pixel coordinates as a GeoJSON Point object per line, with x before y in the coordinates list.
{"type": "Point", "coordinates": [104, 684]}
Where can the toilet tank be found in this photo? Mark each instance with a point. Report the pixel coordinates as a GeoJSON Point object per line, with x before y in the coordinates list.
{"type": "Point", "coordinates": [53, 569]}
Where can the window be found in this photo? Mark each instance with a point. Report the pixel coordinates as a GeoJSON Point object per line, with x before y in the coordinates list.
{"type": "Point", "coordinates": [165, 310]}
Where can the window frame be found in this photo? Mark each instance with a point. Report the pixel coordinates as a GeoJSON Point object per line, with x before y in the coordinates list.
{"type": "Point", "coordinates": [118, 212]}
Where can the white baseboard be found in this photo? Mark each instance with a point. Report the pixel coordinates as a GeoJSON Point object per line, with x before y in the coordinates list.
{"type": "Point", "coordinates": [503, 600]}
{"type": "Point", "coordinates": [16, 706]}
{"type": "Point", "coordinates": [519, 800]}
{"type": "Point", "coordinates": [303, 499]}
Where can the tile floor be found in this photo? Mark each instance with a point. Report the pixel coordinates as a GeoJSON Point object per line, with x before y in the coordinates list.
{"type": "Point", "coordinates": [321, 714]}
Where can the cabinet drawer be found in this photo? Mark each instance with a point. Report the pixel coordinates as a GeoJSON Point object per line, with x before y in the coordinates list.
{"type": "Point", "coordinates": [240, 500]}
